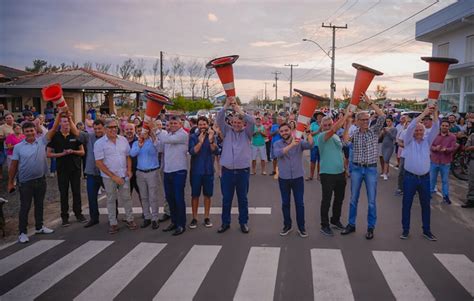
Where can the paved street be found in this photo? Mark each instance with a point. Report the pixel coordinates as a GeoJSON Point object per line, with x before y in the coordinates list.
{"type": "Point", "coordinates": [89, 264]}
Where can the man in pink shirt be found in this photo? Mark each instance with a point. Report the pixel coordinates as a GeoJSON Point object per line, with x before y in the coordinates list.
{"type": "Point", "coordinates": [442, 151]}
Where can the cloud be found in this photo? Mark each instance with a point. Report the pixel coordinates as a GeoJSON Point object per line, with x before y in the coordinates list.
{"type": "Point", "coordinates": [290, 45]}
{"type": "Point", "coordinates": [214, 40]}
{"type": "Point", "coordinates": [86, 46]}
{"type": "Point", "coordinates": [211, 17]}
{"type": "Point", "coordinates": [267, 43]}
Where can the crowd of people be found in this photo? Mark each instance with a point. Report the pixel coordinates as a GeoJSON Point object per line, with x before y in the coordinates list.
{"type": "Point", "coordinates": [120, 154]}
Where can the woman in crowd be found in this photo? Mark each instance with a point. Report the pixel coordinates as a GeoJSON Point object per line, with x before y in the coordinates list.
{"type": "Point", "coordinates": [12, 140]}
{"type": "Point", "coordinates": [389, 134]}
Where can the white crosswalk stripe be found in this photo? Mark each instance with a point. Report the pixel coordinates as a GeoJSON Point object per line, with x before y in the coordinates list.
{"type": "Point", "coordinates": [42, 281]}
{"type": "Point", "coordinates": [259, 276]}
{"type": "Point", "coordinates": [401, 277]}
{"type": "Point", "coordinates": [110, 284]}
{"type": "Point", "coordinates": [461, 268]}
{"type": "Point", "coordinates": [18, 258]}
{"type": "Point", "coordinates": [330, 280]}
{"type": "Point", "coordinates": [188, 276]}
{"type": "Point", "coordinates": [257, 282]}
{"type": "Point", "coordinates": [213, 210]}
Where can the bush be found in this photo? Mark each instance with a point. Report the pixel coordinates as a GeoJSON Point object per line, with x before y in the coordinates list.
{"type": "Point", "coordinates": [187, 105]}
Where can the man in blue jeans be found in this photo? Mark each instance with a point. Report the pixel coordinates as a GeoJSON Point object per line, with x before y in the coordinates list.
{"type": "Point", "coordinates": [175, 171]}
{"type": "Point", "coordinates": [235, 161]}
{"type": "Point", "coordinates": [289, 152]}
{"type": "Point", "coordinates": [364, 166]}
{"type": "Point", "coordinates": [442, 150]}
{"type": "Point", "coordinates": [417, 171]}
{"type": "Point", "coordinates": [94, 180]}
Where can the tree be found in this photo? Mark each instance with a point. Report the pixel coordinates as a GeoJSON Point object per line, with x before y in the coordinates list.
{"type": "Point", "coordinates": [38, 66]}
{"type": "Point", "coordinates": [194, 73]}
{"type": "Point", "coordinates": [175, 73]}
{"type": "Point", "coordinates": [139, 71]}
{"type": "Point", "coordinates": [101, 67]}
{"type": "Point", "coordinates": [155, 68]}
{"type": "Point", "coordinates": [87, 65]}
{"type": "Point", "coordinates": [346, 93]}
{"type": "Point", "coordinates": [380, 92]}
{"type": "Point", "coordinates": [126, 69]}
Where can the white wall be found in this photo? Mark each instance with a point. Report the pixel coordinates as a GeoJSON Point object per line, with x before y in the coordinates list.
{"type": "Point", "coordinates": [457, 42]}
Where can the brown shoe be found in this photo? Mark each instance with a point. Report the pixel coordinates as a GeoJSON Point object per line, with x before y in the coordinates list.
{"type": "Point", "coordinates": [132, 225]}
{"type": "Point", "coordinates": [113, 229]}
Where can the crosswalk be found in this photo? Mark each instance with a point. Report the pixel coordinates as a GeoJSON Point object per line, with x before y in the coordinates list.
{"type": "Point", "coordinates": [213, 210]}
{"type": "Point", "coordinates": [257, 281]}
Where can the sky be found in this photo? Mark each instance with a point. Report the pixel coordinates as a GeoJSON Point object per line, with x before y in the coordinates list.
{"type": "Point", "coordinates": [266, 34]}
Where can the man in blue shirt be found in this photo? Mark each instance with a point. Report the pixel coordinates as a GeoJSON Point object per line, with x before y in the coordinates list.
{"type": "Point", "coordinates": [289, 152]}
{"type": "Point", "coordinates": [202, 147]}
{"type": "Point", "coordinates": [275, 133]}
{"type": "Point", "coordinates": [146, 150]}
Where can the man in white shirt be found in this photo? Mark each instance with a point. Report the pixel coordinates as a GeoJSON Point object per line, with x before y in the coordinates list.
{"type": "Point", "coordinates": [112, 157]}
{"type": "Point", "coordinates": [175, 171]}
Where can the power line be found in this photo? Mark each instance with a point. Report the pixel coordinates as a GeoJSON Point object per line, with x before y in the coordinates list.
{"type": "Point", "coordinates": [366, 11]}
{"type": "Point", "coordinates": [348, 8]}
{"type": "Point", "coordinates": [388, 28]}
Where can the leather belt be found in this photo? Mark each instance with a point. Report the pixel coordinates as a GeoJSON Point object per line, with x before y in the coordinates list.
{"type": "Point", "coordinates": [365, 164]}
{"type": "Point", "coordinates": [147, 170]}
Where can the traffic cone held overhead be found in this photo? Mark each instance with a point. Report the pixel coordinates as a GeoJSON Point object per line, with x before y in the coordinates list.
{"type": "Point", "coordinates": [54, 93]}
{"type": "Point", "coordinates": [223, 66]}
{"type": "Point", "coordinates": [364, 77]}
{"type": "Point", "coordinates": [154, 105]}
{"type": "Point", "coordinates": [438, 68]}
{"type": "Point", "coordinates": [308, 105]}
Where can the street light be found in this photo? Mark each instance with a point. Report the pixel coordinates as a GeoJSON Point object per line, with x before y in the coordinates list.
{"type": "Point", "coordinates": [333, 84]}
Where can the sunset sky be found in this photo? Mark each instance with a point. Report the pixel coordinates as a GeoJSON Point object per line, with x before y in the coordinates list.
{"type": "Point", "coordinates": [266, 34]}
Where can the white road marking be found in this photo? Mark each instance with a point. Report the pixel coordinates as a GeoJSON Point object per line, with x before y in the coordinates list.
{"type": "Point", "coordinates": [110, 284]}
{"type": "Point", "coordinates": [259, 276]}
{"type": "Point", "coordinates": [330, 280]}
{"type": "Point", "coordinates": [188, 276]}
{"type": "Point", "coordinates": [213, 210]}
{"type": "Point", "coordinates": [42, 281]}
{"type": "Point", "coordinates": [22, 256]}
{"type": "Point", "coordinates": [461, 268]}
{"type": "Point", "coordinates": [401, 277]}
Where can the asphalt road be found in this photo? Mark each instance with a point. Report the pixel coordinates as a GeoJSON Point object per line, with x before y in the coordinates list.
{"type": "Point", "coordinates": [90, 264]}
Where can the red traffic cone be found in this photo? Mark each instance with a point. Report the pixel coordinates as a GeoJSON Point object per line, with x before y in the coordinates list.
{"type": "Point", "coordinates": [154, 105]}
{"type": "Point", "coordinates": [308, 105]}
{"type": "Point", "coordinates": [223, 66]}
{"type": "Point", "coordinates": [364, 77]}
{"type": "Point", "coordinates": [438, 68]}
{"type": "Point", "coordinates": [54, 93]}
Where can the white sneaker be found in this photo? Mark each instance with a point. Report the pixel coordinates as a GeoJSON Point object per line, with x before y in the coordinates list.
{"type": "Point", "coordinates": [23, 238]}
{"type": "Point", "coordinates": [44, 230]}
{"type": "Point", "coordinates": [381, 175]}
{"type": "Point", "coordinates": [385, 177]}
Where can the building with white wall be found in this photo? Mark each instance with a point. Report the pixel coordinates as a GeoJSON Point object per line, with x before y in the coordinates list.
{"type": "Point", "coordinates": [451, 33]}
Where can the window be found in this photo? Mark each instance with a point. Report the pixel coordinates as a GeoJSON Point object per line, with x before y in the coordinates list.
{"type": "Point", "coordinates": [470, 49]}
{"type": "Point", "coordinates": [450, 94]}
{"type": "Point", "coordinates": [17, 104]}
{"type": "Point", "coordinates": [443, 50]}
{"type": "Point", "coordinates": [469, 94]}
{"type": "Point", "coordinates": [451, 85]}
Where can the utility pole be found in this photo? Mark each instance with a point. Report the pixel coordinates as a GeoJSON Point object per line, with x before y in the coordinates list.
{"type": "Point", "coordinates": [265, 91]}
{"type": "Point", "coordinates": [276, 83]}
{"type": "Point", "coordinates": [291, 82]}
{"type": "Point", "coordinates": [333, 59]}
{"type": "Point", "coordinates": [161, 70]}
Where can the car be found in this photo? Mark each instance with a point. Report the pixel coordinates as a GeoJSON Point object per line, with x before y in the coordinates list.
{"type": "Point", "coordinates": [411, 114]}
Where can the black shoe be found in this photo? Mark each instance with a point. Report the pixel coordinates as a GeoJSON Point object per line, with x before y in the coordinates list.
{"type": "Point", "coordinates": [65, 222]}
{"type": "Point", "coordinates": [91, 223]}
{"type": "Point", "coordinates": [155, 225]}
{"type": "Point", "coordinates": [468, 204]}
{"type": "Point", "coordinates": [146, 223]}
{"type": "Point", "coordinates": [223, 228]}
{"type": "Point", "coordinates": [302, 233]}
{"type": "Point", "coordinates": [447, 200]}
{"type": "Point", "coordinates": [370, 233]}
{"type": "Point", "coordinates": [326, 230]}
{"type": "Point", "coordinates": [338, 226]}
{"type": "Point", "coordinates": [404, 234]}
{"type": "Point", "coordinates": [349, 229]}
{"type": "Point", "coordinates": [244, 228]}
{"type": "Point", "coordinates": [285, 230]}
{"type": "Point", "coordinates": [272, 173]}
{"type": "Point", "coordinates": [170, 227]}
{"type": "Point", "coordinates": [429, 236]}
{"type": "Point", "coordinates": [193, 224]}
{"type": "Point", "coordinates": [164, 218]}
{"type": "Point", "coordinates": [207, 223]}
{"type": "Point", "coordinates": [81, 219]}
{"type": "Point", "coordinates": [179, 231]}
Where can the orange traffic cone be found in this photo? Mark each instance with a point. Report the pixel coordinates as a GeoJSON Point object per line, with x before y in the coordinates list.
{"type": "Point", "coordinates": [223, 66]}
{"type": "Point", "coordinates": [308, 105]}
{"type": "Point", "coordinates": [438, 68]}
{"type": "Point", "coordinates": [364, 77]}
{"type": "Point", "coordinates": [54, 93]}
{"type": "Point", "coordinates": [154, 105]}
